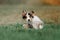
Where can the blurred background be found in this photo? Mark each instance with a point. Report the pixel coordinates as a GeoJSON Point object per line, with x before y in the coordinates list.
{"type": "Point", "coordinates": [47, 10]}
{"type": "Point", "coordinates": [11, 23]}
{"type": "Point", "coordinates": [44, 2]}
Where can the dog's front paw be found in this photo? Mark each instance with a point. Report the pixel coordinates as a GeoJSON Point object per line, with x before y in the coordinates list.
{"type": "Point", "coordinates": [25, 26]}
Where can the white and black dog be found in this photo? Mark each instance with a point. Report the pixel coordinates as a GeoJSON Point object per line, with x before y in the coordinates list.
{"type": "Point", "coordinates": [32, 20]}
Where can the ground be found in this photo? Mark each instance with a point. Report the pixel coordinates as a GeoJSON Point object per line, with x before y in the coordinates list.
{"type": "Point", "coordinates": [11, 23]}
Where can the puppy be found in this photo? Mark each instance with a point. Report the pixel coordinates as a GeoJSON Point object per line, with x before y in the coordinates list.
{"type": "Point", "coordinates": [32, 20]}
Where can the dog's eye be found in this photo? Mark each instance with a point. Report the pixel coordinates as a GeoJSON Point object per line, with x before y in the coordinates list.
{"type": "Point", "coordinates": [24, 17]}
{"type": "Point", "coordinates": [29, 14]}
{"type": "Point", "coordinates": [32, 16]}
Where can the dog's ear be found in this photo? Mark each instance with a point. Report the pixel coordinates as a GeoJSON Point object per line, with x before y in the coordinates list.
{"type": "Point", "coordinates": [32, 12]}
{"type": "Point", "coordinates": [24, 14]}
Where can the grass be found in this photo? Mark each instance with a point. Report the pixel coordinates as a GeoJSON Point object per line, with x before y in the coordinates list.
{"type": "Point", "coordinates": [12, 14]}
{"type": "Point", "coordinates": [16, 32]}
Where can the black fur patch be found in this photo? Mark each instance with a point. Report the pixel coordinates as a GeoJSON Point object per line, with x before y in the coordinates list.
{"type": "Point", "coordinates": [30, 26]}
{"type": "Point", "coordinates": [30, 15]}
{"type": "Point", "coordinates": [24, 17]}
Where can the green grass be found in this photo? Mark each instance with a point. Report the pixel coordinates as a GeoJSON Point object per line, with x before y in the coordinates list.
{"type": "Point", "coordinates": [16, 32]}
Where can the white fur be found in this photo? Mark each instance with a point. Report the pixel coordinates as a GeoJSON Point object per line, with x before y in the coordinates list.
{"type": "Point", "coordinates": [37, 23]}
{"type": "Point", "coordinates": [27, 16]}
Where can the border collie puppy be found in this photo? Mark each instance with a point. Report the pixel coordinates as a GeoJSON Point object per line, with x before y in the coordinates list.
{"type": "Point", "coordinates": [32, 20]}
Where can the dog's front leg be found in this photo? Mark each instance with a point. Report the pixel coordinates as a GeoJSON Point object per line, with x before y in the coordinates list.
{"type": "Point", "coordinates": [25, 26]}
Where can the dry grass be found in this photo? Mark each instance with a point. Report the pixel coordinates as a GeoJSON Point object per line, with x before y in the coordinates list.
{"type": "Point", "coordinates": [52, 2]}
{"type": "Point", "coordinates": [50, 15]}
{"type": "Point", "coordinates": [12, 14]}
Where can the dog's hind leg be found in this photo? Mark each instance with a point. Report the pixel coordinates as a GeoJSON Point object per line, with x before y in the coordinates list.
{"type": "Point", "coordinates": [35, 26]}
{"type": "Point", "coordinates": [40, 26]}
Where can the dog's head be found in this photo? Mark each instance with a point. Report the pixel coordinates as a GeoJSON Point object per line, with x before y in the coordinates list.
{"type": "Point", "coordinates": [27, 16]}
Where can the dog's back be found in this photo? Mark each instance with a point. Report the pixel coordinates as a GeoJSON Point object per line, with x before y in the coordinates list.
{"type": "Point", "coordinates": [37, 19]}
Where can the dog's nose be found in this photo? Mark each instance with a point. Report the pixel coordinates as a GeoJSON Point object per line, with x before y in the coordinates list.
{"type": "Point", "coordinates": [28, 19]}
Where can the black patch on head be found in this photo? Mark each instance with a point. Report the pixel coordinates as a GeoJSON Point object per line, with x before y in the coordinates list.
{"type": "Point", "coordinates": [30, 15]}
{"type": "Point", "coordinates": [24, 17]}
